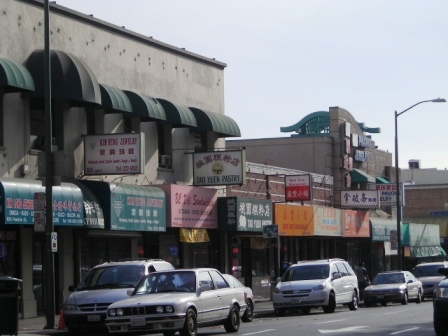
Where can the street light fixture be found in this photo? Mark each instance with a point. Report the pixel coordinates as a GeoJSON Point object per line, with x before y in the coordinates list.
{"type": "Point", "coordinates": [397, 178]}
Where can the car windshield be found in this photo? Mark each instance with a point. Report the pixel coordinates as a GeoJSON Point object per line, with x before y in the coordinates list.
{"type": "Point", "coordinates": [122, 276]}
{"type": "Point", "coordinates": [427, 270]}
{"type": "Point", "coordinates": [164, 282]}
{"type": "Point", "coordinates": [306, 272]}
{"type": "Point", "coordinates": [392, 278]}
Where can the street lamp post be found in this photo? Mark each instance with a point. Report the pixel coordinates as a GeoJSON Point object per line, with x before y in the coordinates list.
{"type": "Point", "coordinates": [397, 178]}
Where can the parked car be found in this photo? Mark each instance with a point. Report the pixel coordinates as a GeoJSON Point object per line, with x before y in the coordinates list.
{"type": "Point", "coordinates": [312, 284]}
{"type": "Point", "coordinates": [178, 300]}
{"type": "Point", "coordinates": [393, 286]}
{"type": "Point", "coordinates": [85, 308]}
{"type": "Point", "coordinates": [440, 305]}
{"type": "Point", "coordinates": [248, 297]}
{"type": "Point", "coordinates": [428, 274]}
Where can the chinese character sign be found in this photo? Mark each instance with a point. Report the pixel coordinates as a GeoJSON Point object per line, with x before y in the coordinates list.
{"type": "Point", "coordinates": [360, 199]}
{"type": "Point", "coordinates": [294, 220]}
{"type": "Point", "coordinates": [298, 187]}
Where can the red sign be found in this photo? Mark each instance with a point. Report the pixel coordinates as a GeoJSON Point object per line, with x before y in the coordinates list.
{"type": "Point", "coordinates": [298, 187]}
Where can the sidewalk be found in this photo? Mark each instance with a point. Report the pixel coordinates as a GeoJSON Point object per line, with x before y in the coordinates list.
{"type": "Point", "coordinates": [36, 326]}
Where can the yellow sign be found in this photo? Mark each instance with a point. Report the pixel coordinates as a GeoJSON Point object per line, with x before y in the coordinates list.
{"type": "Point", "coordinates": [194, 236]}
{"type": "Point", "coordinates": [293, 220]}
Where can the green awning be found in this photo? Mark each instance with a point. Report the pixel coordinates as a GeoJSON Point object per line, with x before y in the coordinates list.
{"type": "Point", "coordinates": [71, 78]}
{"type": "Point", "coordinates": [17, 202]}
{"type": "Point", "coordinates": [145, 107]}
{"type": "Point", "coordinates": [15, 77]}
{"type": "Point", "coordinates": [178, 115]}
{"type": "Point", "coordinates": [358, 176]}
{"type": "Point", "coordinates": [427, 251]}
{"type": "Point", "coordinates": [130, 207]}
{"type": "Point", "coordinates": [114, 100]}
{"type": "Point", "coordinates": [381, 180]}
{"type": "Point", "coordinates": [216, 122]}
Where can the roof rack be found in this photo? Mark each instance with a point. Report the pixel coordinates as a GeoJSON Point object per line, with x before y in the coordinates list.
{"type": "Point", "coordinates": [317, 260]}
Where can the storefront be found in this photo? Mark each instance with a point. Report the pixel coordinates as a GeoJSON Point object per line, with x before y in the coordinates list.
{"type": "Point", "coordinates": [381, 251]}
{"type": "Point", "coordinates": [251, 258]}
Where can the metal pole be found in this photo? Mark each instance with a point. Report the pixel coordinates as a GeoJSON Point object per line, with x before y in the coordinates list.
{"type": "Point", "coordinates": [397, 192]}
{"type": "Point", "coordinates": [49, 272]}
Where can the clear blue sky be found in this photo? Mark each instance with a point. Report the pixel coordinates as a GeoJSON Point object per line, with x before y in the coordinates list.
{"type": "Point", "coordinates": [288, 58]}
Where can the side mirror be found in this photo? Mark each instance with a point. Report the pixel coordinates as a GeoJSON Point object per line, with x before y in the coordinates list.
{"type": "Point", "coordinates": [336, 275]}
{"type": "Point", "coordinates": [278, 280]}
{"type": "Point", "coordinates": [129, 292]}
{"type": "Point", "coordinates": [203, 288]}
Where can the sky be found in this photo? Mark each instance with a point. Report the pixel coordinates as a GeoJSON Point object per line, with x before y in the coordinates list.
{"type": "Point", "coordinates": [288, 58]}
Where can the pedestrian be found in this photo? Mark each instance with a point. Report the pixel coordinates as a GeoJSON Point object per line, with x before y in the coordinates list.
{"type": "Point", "coordinates": [363, 279]}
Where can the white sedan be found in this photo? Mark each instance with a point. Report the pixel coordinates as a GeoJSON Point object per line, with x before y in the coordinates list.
{"type": "Point", "coordinates": [178, 300]}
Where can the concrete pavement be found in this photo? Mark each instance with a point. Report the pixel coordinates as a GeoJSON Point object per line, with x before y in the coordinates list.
{"type": "Point", "coordinates": [36, 326]}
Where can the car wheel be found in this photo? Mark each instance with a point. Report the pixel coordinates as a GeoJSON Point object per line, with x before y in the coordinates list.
{"type": "Point", "coordinates": [190, 327]}
{"type": "Point", "coordinates": [306, 311]}
{"type": "Point", "coordinates": [353, 305]}
{"type": "Point", "coordinates": [367, 304]}
{"type": "Point", "coordinates": [419, 297]}
{"type": "Point", "coordinates": [439, 327]}
{"type": "Point", "coordinates": [404, 301]}
{"type": "Point", "coordinates": [279, 311]}
{"type": "Point", "coordinates": [331, 304]}
{"type": "Point", "coordinates": [384, 304]}
{"type": "Point", "coordinates": [249, 313]}
{"type": "Point", "coordinates": [232, 323]}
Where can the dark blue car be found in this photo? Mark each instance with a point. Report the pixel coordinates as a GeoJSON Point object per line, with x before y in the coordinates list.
{"type": "Point", "coordinates": [440, 304]}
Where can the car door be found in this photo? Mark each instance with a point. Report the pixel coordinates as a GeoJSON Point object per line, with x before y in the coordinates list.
{"type": "Point", "coordinates": [224, 291]}
{"type": "Point", "coordinates": [209, 303]}
{"type": "Point", "coordinates": [413, 285]}
{"type": "Point", "coordinates": [337, 283]}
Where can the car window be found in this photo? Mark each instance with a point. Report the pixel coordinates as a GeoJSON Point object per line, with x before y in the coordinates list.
{"type": "Point", "coordinates": [162, 266]}
{"type": "Point", "coordinates": [349, 269]}
{"type": "Point", "coordinates": [306, 272]}
{"type": "Point", "coordinates": [112, 277]}
{"type": "Point", "coordinates": [165, 282]}
{"type": "Point", "coordinates": [205, 279]}
{"type": "Point", "coordinates": [427, 270]}
{"type": "Point", "coordinates": [219, 280]}
{"type": "Point", "coordinates": [341, 268]}
{"type": "Point", "coordinates": [334, 269]}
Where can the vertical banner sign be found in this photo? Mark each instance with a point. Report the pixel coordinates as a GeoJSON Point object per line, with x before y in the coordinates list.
{"type": "Point", "coordinates": [39, 212]}
{"type": "Point", "coordinates": [298, 187]}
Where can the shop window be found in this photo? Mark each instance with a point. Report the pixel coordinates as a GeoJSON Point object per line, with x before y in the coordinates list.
{"type": "Point", "coordinates": [200, 141]}
{"type": "Point", "coordinates": [165, 145]}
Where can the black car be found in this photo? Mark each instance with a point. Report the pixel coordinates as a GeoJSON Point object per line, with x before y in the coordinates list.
{"type": "Point", "coordinates": [440, 304]}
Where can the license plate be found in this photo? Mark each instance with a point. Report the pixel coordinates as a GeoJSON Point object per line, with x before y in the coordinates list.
{"type": "Point", "coordinates": [138, 321]}
{"type": "Point", "coordinates": [295, 300]}
{"type": "Point", "coordinates": [94, 318]}
{"type": "Point", "coordinates": [380, 296]}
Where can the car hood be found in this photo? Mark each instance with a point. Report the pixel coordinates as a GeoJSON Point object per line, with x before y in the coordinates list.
{"type": "Point", "coordinates": [97, 296]}
{"type": "Point", "coordinates": [432, 279]}
{"type": "Point", "coordinates": [384, 286]}
{"type": "Point", "coordinates": [300, 285]}
{"type": "Point", "coordinates": [162, 298]}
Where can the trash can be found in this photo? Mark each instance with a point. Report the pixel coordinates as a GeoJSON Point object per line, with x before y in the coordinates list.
{"type": "Point", "coordinates": [9, 305]}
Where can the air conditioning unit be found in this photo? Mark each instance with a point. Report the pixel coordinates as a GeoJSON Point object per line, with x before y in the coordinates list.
{"type": "Point", "coordinates": [164, 160]}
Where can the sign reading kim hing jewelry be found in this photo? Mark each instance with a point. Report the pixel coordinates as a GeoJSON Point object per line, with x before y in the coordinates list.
{"type": "Point", "coordinates": [219, 168]}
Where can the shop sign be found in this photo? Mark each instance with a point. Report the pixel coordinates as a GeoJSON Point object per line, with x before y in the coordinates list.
{"type": "Point", "coordinates": [381, 229]}
{"type": "Point", "coordinates": [360, 155]}
{"type": "Point", "coordinates": [110, 154]}
{"type": "Point", "coordinates": [134, 210]}
{"type": "Point", "coordinates": [191, 207]}
{"type": "Point", "coordinates": [219, 168]}
{"type": "Point", "coordinates": [355, 223]}
{"type": "Point", "coordinates": [327, 222]}
{"type": "Point", "coordinates": [388, 194]}
{"type": "Point", "coordinates": [193, 236]}
{"type": "Point", "coordinates": [244, 214]}
{"type": "Point", "coordinates": [360, 199]}
{"type": "Point", "coordinates": [294, 220]}
{"type": "Point", "coordinates": [298, 188]}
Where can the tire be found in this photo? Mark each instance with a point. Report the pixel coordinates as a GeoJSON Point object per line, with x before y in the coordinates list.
{"type": "Point", "coordinates": [331, 304]}
{"type": "Point", "coordinates": [404, 301]}
{"type": "Point", "coordinates": [232, 323]}
{"type": "Point", "coordinates": [353, 305]}
{"type": "Point", "coordinates": [440, 327]}
{"type": "Point", "coordinates": [306, 311]}
{"type": "Point", "coordinates": [279, 311]}
{"type": "Point", "coordinates": [367, 304]}
{"type": "Point", "coordinates": [249, 313]}
{"type": "Point", "coordinates": [419, 298]}
{"type": "Point", "coordinates": [190, 327]}
{"type": "Point", "coordinates": [74, 332]}
{"type": "Point", "coordinates": [384, 304]}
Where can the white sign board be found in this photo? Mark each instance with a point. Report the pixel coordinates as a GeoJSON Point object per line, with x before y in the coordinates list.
{"type": "Point", "coordinates": [219, 168]}
{"type": "Point", "coordinates": [114, 154]}
{"type": "Point", "coordinates": [360, 199]}
{"type": "Point", "coordinates": [388, 194]}
{"type": "Point", "coordinates": [298, 187]}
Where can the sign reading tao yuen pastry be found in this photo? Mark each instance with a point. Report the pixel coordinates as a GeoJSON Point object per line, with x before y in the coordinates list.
{"type": "Point", "coordinates": [219, 168]}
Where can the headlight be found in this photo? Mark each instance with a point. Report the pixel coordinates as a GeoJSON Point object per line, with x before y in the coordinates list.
{"type": "Point", "coordinates": [169, 309]}
{"type": "Point", "coordinates": [111, 312]}
{"type": "Point", "coordinates": [159, 309]}
{"type": "Point", "coordinates": [318, 287]}
{"type": "Point", "coordinates": [441, 292]}
{"type": "Point", "coordinates": [277, 290]}
{"type": "Point", "coordinates": [70, 307]}
{"type": "Point", "coordinates": [119, 312]}
{"type": "Point", "coordinates": [164, 309]}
